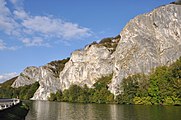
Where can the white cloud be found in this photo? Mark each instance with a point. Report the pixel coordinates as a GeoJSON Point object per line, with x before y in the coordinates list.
{"type": "Point", "coordinates": [3, 46]}
{"type": "Point", "coordinates": [14, 1]}
{"type": "Point", "coordinates": [36, 41]}
{"type": "Point", "coordinates": [3, 9]}
{"type": "Point", "coordinates": [18, 4]}
{"type": "Point", "coordinates": [7, 76]}
{"type": "Point", "coordinates": [55, 27]}
{"type": "Point", "coordinates": [7, 23]}
{"type": "Point", "coordinates": [20, 14]}
{"type": "Point", "coordinates": [21, 24]}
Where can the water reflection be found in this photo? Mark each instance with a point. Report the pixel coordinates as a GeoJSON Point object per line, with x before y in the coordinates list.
{"type": "Point", "coordinates": [44, 110]}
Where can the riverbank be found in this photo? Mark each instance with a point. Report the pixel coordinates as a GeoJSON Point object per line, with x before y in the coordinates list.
{"type": "Point", "coordinates": [17, 112]}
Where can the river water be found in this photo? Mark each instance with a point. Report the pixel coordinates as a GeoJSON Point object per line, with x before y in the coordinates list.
{"type": "Point", "coordinates": [45, 110]}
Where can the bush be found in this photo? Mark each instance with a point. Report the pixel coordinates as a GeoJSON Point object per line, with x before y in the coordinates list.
{"type": "Point", "coordinates": [106, 40]}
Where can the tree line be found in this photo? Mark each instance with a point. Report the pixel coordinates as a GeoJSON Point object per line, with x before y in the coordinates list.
{"type": "Point", "coordinates": [24, 93]}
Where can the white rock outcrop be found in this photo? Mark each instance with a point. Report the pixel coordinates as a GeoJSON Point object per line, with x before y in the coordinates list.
{"type": "Point", "coordinates": [44, 75]}
{"type": "Point", "coordinates": [85, 66]}
{"type": "Point", "coordinates": [147, 41]}
{"type": "Point", "coordinates": [25, 78]}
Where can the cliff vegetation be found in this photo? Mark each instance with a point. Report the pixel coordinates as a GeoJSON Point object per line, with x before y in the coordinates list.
{"type": "Point", "coordinates": [161, 87]}
{"type": "Point", "coordinates": [98, 94]}
{"type": "Point", "coordinates": [58, 66]}
{"type": "Point", "coordinates": [24, 93]}
{"type": "Point", "coordinates": [109, 42]}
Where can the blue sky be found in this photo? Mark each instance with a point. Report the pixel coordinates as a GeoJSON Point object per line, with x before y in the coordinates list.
{"type": "Point", "coordinates": [35, 32]}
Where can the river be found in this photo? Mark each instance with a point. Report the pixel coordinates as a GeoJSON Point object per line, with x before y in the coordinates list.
{"type": "Point", "coordinates": [45, 110]}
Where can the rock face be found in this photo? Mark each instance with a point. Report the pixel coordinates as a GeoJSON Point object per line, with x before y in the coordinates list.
{"type": "Point", "coordinates": [48, 83]}
{"type": "Point", "coordinates": [86, 65]}
{"type": "Point", "coordinates": [44, 75]}
{"type": "Point", "coordinates": [147, 41]}
{"type": "Point", "coordinates": [27, 77]}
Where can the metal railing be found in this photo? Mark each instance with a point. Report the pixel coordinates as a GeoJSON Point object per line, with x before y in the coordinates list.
{"type": "Point", "coordinates": [7, 103]}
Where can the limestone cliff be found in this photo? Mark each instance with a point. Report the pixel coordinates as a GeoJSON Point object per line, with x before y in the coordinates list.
{"type": "Point", "coordinates": [86, 65]}
{"type": "Point", "coordinates": [25, 78]}
{"type": "Point", "coordinates": [147, 41]}
{"type": "Point", "coordinates": [47, 76]}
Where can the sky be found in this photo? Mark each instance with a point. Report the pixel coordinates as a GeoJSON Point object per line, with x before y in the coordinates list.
{"type": "Point", "coordinates": [35, 32]}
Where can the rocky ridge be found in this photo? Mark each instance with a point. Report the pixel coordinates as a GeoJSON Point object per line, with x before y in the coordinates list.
{"type": "Point", "coordinates": [46, 76]}
{"type": "Point", "coordinates": [147, 41]}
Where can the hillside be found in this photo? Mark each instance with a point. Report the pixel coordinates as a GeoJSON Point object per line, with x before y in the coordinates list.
{"type": "Point", "coordinates": [146, 42]}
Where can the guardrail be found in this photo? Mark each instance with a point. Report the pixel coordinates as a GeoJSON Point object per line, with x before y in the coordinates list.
{"type": "Point", "coordinates": [7, 103]}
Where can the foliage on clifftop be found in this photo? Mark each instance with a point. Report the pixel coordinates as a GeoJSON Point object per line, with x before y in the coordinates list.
{"type": "Point", "coordinates": [177, 3]}
{"type": "Point", "coordinates": [110, 43]}
{"type": "Point", "coordinates": [162, 86]}
{"type": "Point", "coordinates": [58, 66]}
